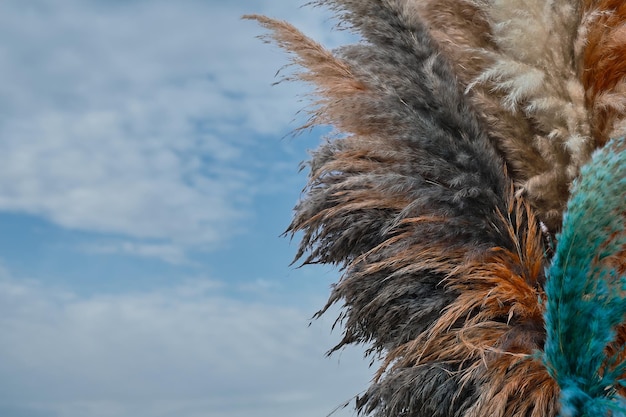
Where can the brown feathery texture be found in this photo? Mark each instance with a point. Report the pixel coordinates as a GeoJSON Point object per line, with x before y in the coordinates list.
{"type": "Point", "coordinates": [536, 67]}
{"type": "Point", "coordinates": [493, 326]}
{"type": "Point", "coordinates": [604, 67]}
{"type": "Point", "coordinates": [443, 264]}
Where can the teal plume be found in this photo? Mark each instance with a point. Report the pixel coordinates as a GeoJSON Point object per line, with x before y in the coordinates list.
{"type": "Point", "coordinates": [586, 290]}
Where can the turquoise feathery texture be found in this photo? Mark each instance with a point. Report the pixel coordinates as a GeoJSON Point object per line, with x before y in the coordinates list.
{"type": "Point", "coordinates": [585, 295]}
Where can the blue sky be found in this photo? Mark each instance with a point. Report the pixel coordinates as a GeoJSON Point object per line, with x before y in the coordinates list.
{"type": "Point", "coordinates": [146, 173]}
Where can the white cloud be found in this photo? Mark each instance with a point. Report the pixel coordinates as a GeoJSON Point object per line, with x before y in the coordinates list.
{"type": "Point", "coordinates": [170, 253]}
{"type": "Point", "coordinates": [140, 118]}
{"type": "Point", "coordinates": [185, 351]}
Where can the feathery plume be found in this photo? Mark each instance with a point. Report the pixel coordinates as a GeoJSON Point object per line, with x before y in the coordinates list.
{"type": "Point", "coordinates": [536, 67]}
{"type": "Point", "coordinates": [414, 203]}
{"type": "Point", "coordinates": [604, 67]}
{"type": "Point", "coordinates": [443, 259]}
{"type": "Point", "coordinates": [462, 31]}
{"type": "Point", "coordinates": [585, 290]}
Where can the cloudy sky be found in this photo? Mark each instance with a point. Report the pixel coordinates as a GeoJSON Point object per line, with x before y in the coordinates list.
{"type": "Point", "coordinates": [146, 173]}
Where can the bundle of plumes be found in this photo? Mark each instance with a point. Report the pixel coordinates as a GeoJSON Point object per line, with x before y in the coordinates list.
{"type": "Point", "coordinates": [461, 130]}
